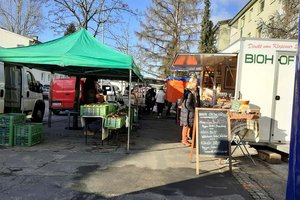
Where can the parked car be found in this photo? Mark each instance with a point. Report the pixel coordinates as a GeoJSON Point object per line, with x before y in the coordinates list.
{"type": "Point", "coordinates": [112, 92]}
{"type": "Point", "coordinates": [46, 91]}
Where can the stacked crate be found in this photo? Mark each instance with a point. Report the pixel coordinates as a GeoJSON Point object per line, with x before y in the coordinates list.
{"type": "Point", "coordinates": [28, 134]}
{"type": "Point", "coordinates": [7, 123]}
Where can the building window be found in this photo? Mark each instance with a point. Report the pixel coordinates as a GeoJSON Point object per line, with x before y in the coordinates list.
{"type": "Point", "coordinates": [49, 76]}
{"type": "Point", "coordinates": [261, 6]}
{"type": "Point", "coordinates": [242, 21]}
{"type": "Point", "coordinates": [42, 76]}
{"type": "Point", "coordinates": [250, 14]}
{"type": "Point", "coordinates": [31, 81]}
{"type": "Point", "coordinates": [249, 34]}
{"type": "Point", "coordinates": [259, 31]}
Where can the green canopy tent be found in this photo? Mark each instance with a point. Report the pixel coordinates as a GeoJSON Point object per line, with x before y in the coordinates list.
{"type": "Point", "coordinates": [78, 54]}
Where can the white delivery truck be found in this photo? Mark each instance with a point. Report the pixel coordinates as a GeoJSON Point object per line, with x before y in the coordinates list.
{"type": "Point", "coordinates": [266, 77]}
{"type": "Point", "coordinates": [20, 92]}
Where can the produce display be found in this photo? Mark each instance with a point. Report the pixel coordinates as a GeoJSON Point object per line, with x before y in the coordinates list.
{"type": "Point", "coordinates": [114, 118]}
{"type": "Point", "coordinates": [97, 109]}
{"type": "Point", "coordinates": [115, 121]}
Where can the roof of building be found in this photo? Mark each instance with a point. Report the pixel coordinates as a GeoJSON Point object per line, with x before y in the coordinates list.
{"type": "Point", "coordinates": [242, 11]}
{"type": "Point", "coordinates": [18, 35]}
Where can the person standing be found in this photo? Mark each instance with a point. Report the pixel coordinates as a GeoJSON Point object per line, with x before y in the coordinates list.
{"type": "Point", "coordinates": [150, 100]}
{"type": "Point", "coordinates": [90, 90]}
{"type": "Point", "coordinates": [188, 110]}
{"type": "Point", "coordinates": [160, 101]}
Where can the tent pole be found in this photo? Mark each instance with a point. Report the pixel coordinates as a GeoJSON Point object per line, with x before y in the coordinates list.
{"type": "Point", "coordinates": [76, 102]}
{"type": "Point", "coordinates": [49, 106]}
{"type": "Point", "coordinates": [129, 110]}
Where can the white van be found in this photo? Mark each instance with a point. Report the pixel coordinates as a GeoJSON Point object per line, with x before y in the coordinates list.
{"type": "Point", "coordinates": [20, 92]}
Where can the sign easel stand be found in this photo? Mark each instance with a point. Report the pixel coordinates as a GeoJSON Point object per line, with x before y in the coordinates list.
{"type": "Point", "coordinates": [196, 136]}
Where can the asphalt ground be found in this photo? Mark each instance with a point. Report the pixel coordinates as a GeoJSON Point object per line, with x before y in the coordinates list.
{"type": "Point", "coordinates": [157, 167]}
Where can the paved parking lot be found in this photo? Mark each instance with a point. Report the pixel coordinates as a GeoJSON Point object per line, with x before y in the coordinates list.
{"type": "Point", "coordinates": [157, 167]}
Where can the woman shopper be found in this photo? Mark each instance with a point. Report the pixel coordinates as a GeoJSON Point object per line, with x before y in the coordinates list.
{"type": "Point", "coordinates": [160, 101]}
{"type": "Point", "coordinates": [188, 110]}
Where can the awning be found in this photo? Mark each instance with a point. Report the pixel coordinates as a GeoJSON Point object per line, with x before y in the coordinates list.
{"type": "Point", "coordinates": [194, 62]}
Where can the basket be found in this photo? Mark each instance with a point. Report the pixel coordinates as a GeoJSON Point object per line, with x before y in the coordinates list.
{"type": "Point", "coordinates": [7, 122]}
{"type": "Point", "coordinates": [28, 134]}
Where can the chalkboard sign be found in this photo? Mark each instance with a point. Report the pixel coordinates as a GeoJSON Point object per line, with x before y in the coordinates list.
{"type": "Point", "coordinates": [212, 132]}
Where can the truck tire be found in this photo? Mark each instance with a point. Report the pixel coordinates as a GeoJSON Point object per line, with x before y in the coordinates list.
{"type": "Point", "coordinates": [38, 112]}
{"type": "Point", "coordinates": [56, 112]}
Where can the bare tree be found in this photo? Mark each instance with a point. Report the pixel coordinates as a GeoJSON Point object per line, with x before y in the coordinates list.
{"type": "Point", "coordinates": [169, 26]}
{"type": "Point", "coordinates": [283, 23]}
{"type": "Point", "coordinates": [23, 17]}
{"type": "Point", "coordinates": [88, 14]}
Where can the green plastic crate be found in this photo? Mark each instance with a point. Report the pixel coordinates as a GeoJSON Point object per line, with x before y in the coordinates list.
{"type": "Point", "coordinates": [97, 110]}
{"type": "Point", "coordinates": [28, 134]}
{"type": "Point", "coordinates": [6, 136]}
{"type": "Point", "coordinates": [7, 122]}
{"type": "Point", "coordinates": [111, 122]}
{"type": "Point", "coordinates": [112, 107]}
{"type": "Point", "coordinates": [11, 119]}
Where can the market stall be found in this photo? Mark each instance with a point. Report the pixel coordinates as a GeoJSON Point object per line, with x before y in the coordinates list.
{"type": "Point", "coordinates": [217, 74]}
{"type": "Point", "coordinates": [78, 54]}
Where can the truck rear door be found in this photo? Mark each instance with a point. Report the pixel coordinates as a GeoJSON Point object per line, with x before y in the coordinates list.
{"type": "Point", "coordinates": [2, 87]}
{"type": "Point", "coordinates": [63, 93]}
{"type": "Point", "coordinates": [283, 96]}
{"type": "Point", "coordinates": [68, 95]}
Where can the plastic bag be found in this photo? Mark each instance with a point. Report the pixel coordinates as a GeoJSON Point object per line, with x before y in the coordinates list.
{"type": "Point", "coordinates": [154, 108]}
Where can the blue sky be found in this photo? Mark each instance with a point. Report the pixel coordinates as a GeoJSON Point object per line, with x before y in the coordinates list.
{"type": "Point", "coordinates": [220, 10]}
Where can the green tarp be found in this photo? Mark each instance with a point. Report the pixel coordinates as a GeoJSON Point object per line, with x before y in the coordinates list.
{"type": "Point", "coordinates": [76, 54]}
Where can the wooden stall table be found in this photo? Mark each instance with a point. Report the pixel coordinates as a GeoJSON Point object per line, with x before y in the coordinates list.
{"type": "Point", "coordinates": [244, 125]}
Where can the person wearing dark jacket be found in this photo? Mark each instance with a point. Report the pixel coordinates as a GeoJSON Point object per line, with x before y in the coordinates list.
{"type": "Point", "coordinates": [150, 99]}
{"type": "Point", "coordinates": [188, 110]}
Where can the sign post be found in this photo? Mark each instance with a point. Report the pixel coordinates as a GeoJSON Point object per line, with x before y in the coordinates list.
{"type": "Point", "coordinates": [213, 136]}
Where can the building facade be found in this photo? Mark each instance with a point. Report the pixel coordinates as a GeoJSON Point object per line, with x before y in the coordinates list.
{"type": "Point", "coordinates": [247, 22]}
{"type": "Point", "coordinates": [9, 40]}
{"type": "Point", "coordinates": [222, 33]}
